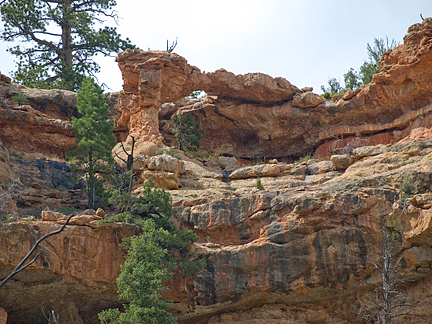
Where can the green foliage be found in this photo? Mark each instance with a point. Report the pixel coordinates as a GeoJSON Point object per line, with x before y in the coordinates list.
{"type": "Point", "coordinates": [259, 184]}
{"type": "Point", "coordinates": [57, 39]}
{"type": "Point", "coordinates": [152, 258]}
{"type": "Point", "coordinates": [94, 139]}
{"type": "Point", "coordinates": [147, 265]}
{"type": "Point", "coordinates": [151, 203]}
{"type": "Point", "coordinates": [305, 158]}
{"type": "Point", "coordinates": [396, 230]}
{"type": "Point", "coordinates": [351, 80]}
{"type": "Point", "coordinates": [20, 98]}
{"type": "Point", "coordinates": [20, 155]}
{"type": "Point", "coordinates": [407, 187]}
{"type": "Point", "coordinates": [187, 132]}
{"type": "Point", "coordinates": [354, 79]}
{"type": "Point", "coordinates": [334, 86]}
{"type": "Point", "coordinates": [376, 51]}
{"type": "Point", "coordinates": [367, 70]}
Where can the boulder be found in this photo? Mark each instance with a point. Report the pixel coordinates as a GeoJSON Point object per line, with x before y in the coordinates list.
{"type": "Point", "coordinates": [307, 100]}
{"type": "Point", "coordinates": [166, 162]}
{"type": "Point", "coordinates": [228, 163]}
{"type": "Point", "coordinates": [320, 167]}
{"type": "Point", "coordinates": [341, 161]}
{"type": "Point", "coordinates": [255, 171]}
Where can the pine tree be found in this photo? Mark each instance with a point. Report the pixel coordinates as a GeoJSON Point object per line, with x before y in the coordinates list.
{"type": "Point", "coordinates": [94, 137]}
{"type": "Point", "coordinates": [152, 258]}
{"type": "Point", "coordinates": [187, 132]}
{"type": "Point", "coordinates": [58, 39]}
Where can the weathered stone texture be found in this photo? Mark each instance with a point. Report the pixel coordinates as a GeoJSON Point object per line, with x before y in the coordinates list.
{"type": "Point", "coordinates": [256, 116]}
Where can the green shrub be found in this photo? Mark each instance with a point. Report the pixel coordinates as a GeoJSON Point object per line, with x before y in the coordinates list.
{"type": "Point", "coordinates": [259, 184]}
{"type": "Point", "coordinates": [20, 155]}
{"type": "Point", "coordinates": [187, 132]}
{"type": "Point", "coordinates": [20, 98]}
{"type": "Point", "coordinates": [304, 158]}
{"type": "Point", "coordinates": [407, 187]}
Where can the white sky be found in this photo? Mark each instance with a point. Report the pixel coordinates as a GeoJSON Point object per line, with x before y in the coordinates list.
{"type": "Point", "coordinates": [304, 41]}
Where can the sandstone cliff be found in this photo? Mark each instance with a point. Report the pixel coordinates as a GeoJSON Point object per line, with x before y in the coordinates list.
{"type": "Point", "coordinates": [43, 122]}
{"type": "Point", "coordinates": [256, 116]}
{"type": "Point", "coordinates": [297, 252]}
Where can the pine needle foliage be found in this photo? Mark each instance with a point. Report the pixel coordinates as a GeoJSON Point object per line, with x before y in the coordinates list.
{"type": "Point", "coordinates": [94, 138]}
{"type": "Point", "coordinates": [187, 132]}
{"type": "Point", "coordinates": [57, 39]}
{"type": "Point", "coordinates": [152, 257]}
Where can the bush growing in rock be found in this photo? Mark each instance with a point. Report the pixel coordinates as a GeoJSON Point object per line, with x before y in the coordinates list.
{"type": "Point", "coordinates": [187, 132]}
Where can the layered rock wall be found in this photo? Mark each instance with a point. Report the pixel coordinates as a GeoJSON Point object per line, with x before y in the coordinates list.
{"type": "Point", "coordinates": [256, 116]}
{"type": "Point", "coordinates": [41, 124]}
{"type": "Point", "coordinates": [75, 275]}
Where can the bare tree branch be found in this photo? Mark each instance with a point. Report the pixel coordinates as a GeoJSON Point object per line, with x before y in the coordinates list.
{"type": "Point", "coordinates": [21, 265]}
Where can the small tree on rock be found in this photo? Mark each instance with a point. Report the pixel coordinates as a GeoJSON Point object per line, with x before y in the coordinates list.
{"type": "Point", "coordinates": [152, 258]}
{"type": "Point", "coordinates": [187, 131]}
{"type": "Point", "coordinates": [94, 138]}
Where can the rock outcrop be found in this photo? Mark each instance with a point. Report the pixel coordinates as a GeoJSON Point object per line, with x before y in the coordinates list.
{"type": "Point", "coordinates": [296, 252]}
{"type": "Point", "coordinates": [41, 124]}
{"type": "Point", "coordinates": [154, 77]}
{"type": "Point", "coordinates": [256, 116]}
{"type": "Point", "coordinates": [75, 274]}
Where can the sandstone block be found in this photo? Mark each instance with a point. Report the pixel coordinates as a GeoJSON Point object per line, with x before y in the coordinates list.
{"type": "Point", "coordinates": [48, 215]}
{"type": "Point", "coordinates": [341, 161]}
{"type": "Point", "coordinates": [100, 212]}
{"type": "Point", "coordinates": [307, 100]}
{"type": "Point", "coordinates": [167, 163]}
{"type": "Point", "coordinates": [307, 89]}
{"type": "Point", "coordinates": [264, 170]}
{"type": "Point", "coordinates": [320, 167]}
{"type": "Point", "coordinates": [363, 151]}
{"type": "Point", "coordinates": [3, 314]}
{"type": "Point", "coordinates": [202, 171]}
{"type": "Point", "coordinates": [162, 179]}
{"type": "Point", "coordinates": [228, 163]}
{"type": "Point", "coordinates": [351, 93]}
{"type": "Point", "coordinates": [139, 163]}
{"type": "Point", "coordinates": [84, 220]}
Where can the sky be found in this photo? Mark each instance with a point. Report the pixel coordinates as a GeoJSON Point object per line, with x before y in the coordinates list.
{"type": "Point", "coordinates": [305, 41]}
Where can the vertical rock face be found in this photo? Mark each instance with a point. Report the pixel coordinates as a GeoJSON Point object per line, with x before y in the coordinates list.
{"type": "Point", "coordinates": [302, 253]}
{"type": "Point", "coordinates": [76, 272]}
{"type": "Point", "coordinates": [40, 124]}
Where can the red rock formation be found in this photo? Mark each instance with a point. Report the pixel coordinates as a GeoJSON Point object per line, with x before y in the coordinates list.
{"type": "Point", "coordinates": [256, 116]}
{"type": "Point", "coordinates": [75, 274]}
{"type": "Point", "coordinates": [153, 78]}
{"type": "Point", "coordinates": [42, 125]}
